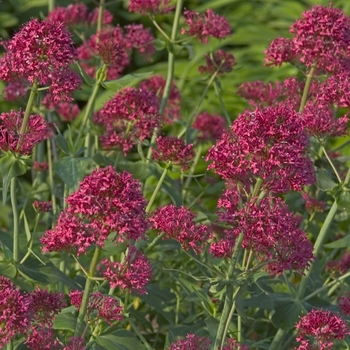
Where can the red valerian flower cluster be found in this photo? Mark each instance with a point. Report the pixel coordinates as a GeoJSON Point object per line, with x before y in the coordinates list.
{"type": "Point", "coordinates": [270, 231]}
{"type": "Point", "coordinates": [133, 274]}
{"type": "Point", "coordinates": [12, 140]}
{"type": "Point", "coordinates": [210, 126]}
{"type": "Point", "coordinates": [68, 111]}
{"type": "Point", "coordinates": [42, 207]}
{"type": "Point", "coordinates": [75, 14]}
{"type": "Point", "coordinates": [150, 6]}
{"type": "Point", "coordinates": [130, 116]}
{"type": "Point", "coordinates": [344, 304]}
{"type": "Point", "coordinates": [322, 327]}
{"type": "Point", "coordinates": [206, 25]}
{"type": "Point", "coordinates": [321, 39]}
{"type": "Point", "coordinates": [41, 52]}
{"type": "Point", "coordinates": [114, 47]}
{"type": "Point", "coordinates": [220, 61]}
{"type": "Point", "coordinates": [178, 223]}
{"type": "Point", "coordinates": [100, 307]}
{"type": "Point", "coordinates": [269, 144]}
{"type": "Point", "coordinates": [156, 84]}
{"type": "Point", "coordinates": [105, 202]}
{"type": "Point", "coordinates": [173, 150]}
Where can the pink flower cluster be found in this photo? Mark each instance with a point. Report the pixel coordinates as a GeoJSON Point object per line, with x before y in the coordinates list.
{"type": "Point", "coordinates": [321, 38]}
{"type": "Point", "coordinates": [29, 314]}
{"type": "Point", "coordinates": [100, 307]}
{"type": "Point", "coordinates": [270, 231]}
{"type": "Point", "coordinates": [173, 150]}
{"type": "Point", "coordinates": [105, 202]}
{"type": "Point", "coordinates": [178, 223]}
{"type": "Point", "coordinates": [75, 14]}
{"type": "Point", "coordinates": [114, 46]}
{"type": "Point", "coordinates": [150, 6]}
{"type": "Point", "coordinates": [11, 138]}
{"type": "Point", "coordinates": [220, 61]}
{"type": "Point", "coordinates": [322, 327]}
{"type": "Point", "coordinates": [156, 84]}
{"type": "Point", "coordinates": [206, 25]}
{"type": "Point", "coordinates": [133, 274]}
{"type": "Point", "coordinates": [41, 52]}
{"type": "Point", "coordinates": [210, 126]}
{"type": "Point", "coordinates": [129, 117]}
{"type": "Point", "coordinates": [42, 207]}
{"type": "Point", "coordinates": [269, 144]}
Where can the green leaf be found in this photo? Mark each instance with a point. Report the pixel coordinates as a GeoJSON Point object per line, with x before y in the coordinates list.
{"type": "Point", "coordinates": [324, 182]}
{"type": "Point", "coordinates": [73, 170]}
{"type": "Point", "coordinates": [343, 200]}
{"type": "Point", "coordinates": [115, 85]}
{"type": "Point", "coordinates": [8, 20]}
{"type": "Point", "coordinates": [62, 143]}
{"type": "Point", "coordinates": [7, 269]}
{"type": "Point", "coordinates": [88, 80]}
{"type": "Point", "coordinates": [286, 314]}
{"type": "Point", "coordinates": [33, 274]}
{"type": "Point", "coordinates": [340, 243]}
{"type": "Point", "coordinates": [140, 170]}
{"type": "Point", "coordinates": [10, 167]}
{"type": "Point", "coordinates": [65, 321]}
{"type": "Point", "coordinates": [159, 44]}
{"type": "Point", "coordinates": [119, 340]}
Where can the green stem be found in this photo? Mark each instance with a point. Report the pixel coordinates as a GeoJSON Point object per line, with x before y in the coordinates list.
{"type": "Point", "coordinates": [170, 75]}
{"type": "Point", "coordinates": [100, 17]}
{"type": "Point", "coordinates": [85, 300]}
{"type": "Point", "coordinates": [51, 178]}
{"type": "Point", "coordinates": [51, 6]}
{"type": "Point", "coordinates": [156, 190]}
{"type": "Point", "coordinates": [88, 109]}
{"type": "Point", "coordinates": [139, 334]}
{"type": "Point", "coordinates": [159, 28]}
{"type": "Point", "coordinates": [331, 164]}
{"type": "Point", "coordinates": [29, 106]}
{"type": "Point", "coordinates": [193, 167]}
{"type": "Point", "coordinates": [307, 88]}
{"type": "Point", "coordinates": [222, 105]}
{"type": "Point", "coordinates": [15, 220]}
{"type": "Point", "coordinates": [230, 293]}
{"type": "Point", "coordinates": [276, 342]}
{"type": "Point", "coordinates": [195, 111]}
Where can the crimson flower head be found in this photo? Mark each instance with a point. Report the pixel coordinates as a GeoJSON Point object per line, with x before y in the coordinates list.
{"type": "Point", "coordinates": [322, 327]}
{"type": "Point", "coordinates": [269, 144]}
{"type": "Point", "coordinates": [42, 207]}
{"type": "Point", "coordinates": [141, 39]}
{"type": "Point", "coordinates": [192, 342]}
{"type": "Point", "coordinates": [321, 39]}
{"type": "Point", "coordinates": [41, 52]}
{"type": "Point", "coordinates": [100, 307]}
{"type": "Point", "coordinates": [173, 150]}
{"type": "Point", "coordinates": [206, 25]}
{"type": "Point", "coordinates": [133, 274]}
{"type": "Point", "coordinates": [105, 202]}
{"type": "Point", "coordinates": [178, 223]}
{"type": "Point", "coordinates": [156, 84]}
{"type": "Point", "coordinates": [209, 126]}
{"type": "Point", "coordinates": [68, 111]}
{"type": "Point", "coordinates": [220, 61]}
{"type": "Point", "coordinates": [14, 311]}
{"type": "Point", "coordinates": [12, 140]}
{"type": "Point", "coordinates": [150, 6]}
{"type": "Point", "coordinates": [130, 116]}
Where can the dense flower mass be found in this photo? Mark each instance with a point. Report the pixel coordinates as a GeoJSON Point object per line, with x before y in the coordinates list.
{"type": "Point", "coordinates": [209, 126]}
{"type": "Point", "coordinates": [321, 38]}
{"type": "Point", "coordinates": [322, 327]}
{"type": "Point", "coordinates": [130, 116]}
{"type": "Point", "coordinates": [220, 61]}
{"type": "Point", "coordinates": [178, 223]}
{"type": "Point", "coordinates": [269, 144]}
{"type": "Point", "coordinates": [133, 274]}
{"type": "Point", "coordinates": [173, 150]}
{"type": "Point", "coordinates": [344, 304]}
{"type": "Point", "coordinates": [41, 53]}
{"type": "Point", "coordinates": [14, 311]}
{"type": "Point", "coordinates": [11, 138]}
{"type": "Point", "coordinates": [150, 6]}
{"type": "Point", "coordinates": [42, 207]}
{"type": "Point", "coordinates": [100, 307]}
{"type": "Point", "coordinates": [105, 202]}
{"type": "Point", "coordinates": [68, 111]}
{"type": "Point", "coordinates": [156, 84]}
{"type": "Point", "coordinates": [206, 25]}
{"type": "Point", "coordinates": [269, 229]}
